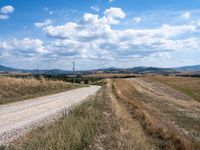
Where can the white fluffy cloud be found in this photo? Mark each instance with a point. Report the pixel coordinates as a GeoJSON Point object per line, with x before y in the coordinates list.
{"type": "Point", "coordinates": [43, 24]}
{"type": "Point", "coordinates": [7, 9]}
{"type": "Point", "coordinates": [188, 44]}
{"type": "Point", "coordinates": [23, 47]}
{"type": "Point", "coordinates": [91, 26]}
{"type": "Point", "coordinates": [114, 12]}
{"type": "Point", "coordinates": [4, 16]}
{"type": "Point", "coordinates": [186, 15]}
{"type": "Point", "coordinates": [63, 31]}
{"type": "Point", "coordinates": [94, 38]}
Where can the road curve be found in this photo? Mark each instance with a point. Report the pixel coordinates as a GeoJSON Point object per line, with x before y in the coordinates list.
{"type": "Point", "coordinates": [20, 117]}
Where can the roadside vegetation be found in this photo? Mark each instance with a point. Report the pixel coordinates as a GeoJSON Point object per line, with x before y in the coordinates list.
{"type": "Point", "coordinates": [80, 79]}
{"type": "Point", "coordinates": [99, 123]}
{"type": "Point", "coordinates": [187, 85]}
{"type": "Point", "coordinates": [74, 130]}
{"type": "Point", "coordinates": [17, 89]}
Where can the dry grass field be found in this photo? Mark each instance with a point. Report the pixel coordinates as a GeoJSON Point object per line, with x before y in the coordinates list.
{"type": "Point", "coordinates": [131, 114]}
{"type": "Point", "coordinates": [187, 85]}
{"type": "Point", "coordinates": [110, 75]}
{"type": "Point", "coordinates": [16, 89]}
{"type": "Point", "coordinates": [102, 122]}
{"type": "Point", "coordinates": [171, 118]}
{"type": "Point", "coordinates": [99, 123]}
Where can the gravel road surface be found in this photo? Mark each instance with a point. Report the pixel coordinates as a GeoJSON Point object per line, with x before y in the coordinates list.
{"type": "Point", "coordinates": [18, 118]}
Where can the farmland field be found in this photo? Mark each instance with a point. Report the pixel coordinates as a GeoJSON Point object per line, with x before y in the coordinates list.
{"type": "Point", "coordinates": [134, 113]}
{"type": "Point", "coordinates": [187, 85]}
{"type": "Point", "coordinates": [109, 75]}
{"type": "Point", "coordinates": [163, 112]}
{"type": "Point", "coordinates": [18, 89]}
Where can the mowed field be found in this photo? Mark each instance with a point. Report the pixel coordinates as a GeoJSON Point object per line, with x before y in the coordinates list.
{"type": "Point", "coordinates": [18, 89]}
{"type": "Point", "coordinates": [187, 85]}
{"type": "Point", "coordinates": [170, 119]}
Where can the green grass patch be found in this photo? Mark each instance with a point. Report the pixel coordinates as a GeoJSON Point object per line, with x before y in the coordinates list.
{"type": "Point", "coordinates": [187, 91]}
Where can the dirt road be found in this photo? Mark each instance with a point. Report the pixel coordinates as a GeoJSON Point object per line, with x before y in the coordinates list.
{"type": "Point", "coordinates": [18, 118]}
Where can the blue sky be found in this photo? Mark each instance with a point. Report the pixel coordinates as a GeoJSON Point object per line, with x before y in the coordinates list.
{"type": "Point", "coordinates": [99, 33]}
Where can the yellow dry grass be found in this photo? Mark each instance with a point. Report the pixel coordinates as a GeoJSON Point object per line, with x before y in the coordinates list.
{"type": "Point", "coordinates": [110, 75]}
{"type": "Point", "coordinates": [187, 85]}
{"type": "Point", "coordinates": [158, 117]}
{"type": "Point", "coordinates": [121, 116]}
{"type": "Point", "coordinates": [102, 122]}
{"type": "Point", "coordinates": [118, 130]}
{"type": "Point", "coordinates": [17, 89]}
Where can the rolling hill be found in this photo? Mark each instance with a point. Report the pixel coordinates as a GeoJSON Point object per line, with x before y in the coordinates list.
{"type": "Point", "coordinates": [6, 69]}
{"type": "Point", "coordinates": [189, 68]}
{"type": "Point", "coordinates": [141, 69]}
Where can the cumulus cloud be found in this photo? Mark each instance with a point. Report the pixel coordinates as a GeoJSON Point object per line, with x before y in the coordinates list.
{"type": "Point", "coordinates": [63, 31]}
{"type": "Point", "coordinates": [23, 47]}
{"type": "Point", "coordinates": [114, 12]}
{"type": "Point", "coordinates": [188, 44]}
{"type": "Point", "coordinates": [186, 15]}
{"type": "Point", "coordinates": [7, 9]}
{"type": "Point", "coordinates": [91, 26]}
{"type": "Point", "coordinates": [44, 23]}
{"type": "Point", "coordinates": [94, 38]}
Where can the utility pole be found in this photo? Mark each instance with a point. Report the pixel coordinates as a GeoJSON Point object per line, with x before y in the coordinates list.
{"type": "Point", "coordinates": [74, 72]}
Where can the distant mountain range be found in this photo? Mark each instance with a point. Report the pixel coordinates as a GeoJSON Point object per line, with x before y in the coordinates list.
{"type": "Point", "coordinates": [3, 68]}
{"type": "Point", "coordinates": [189, 68]}
{"type": "Point", "coordinates": [34, 71]}
{"type": "Point", "coordinates": [141, 69]}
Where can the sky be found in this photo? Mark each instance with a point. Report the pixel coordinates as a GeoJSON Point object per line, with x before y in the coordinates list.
{"type": "Point", "coordinates": [49, 34]}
